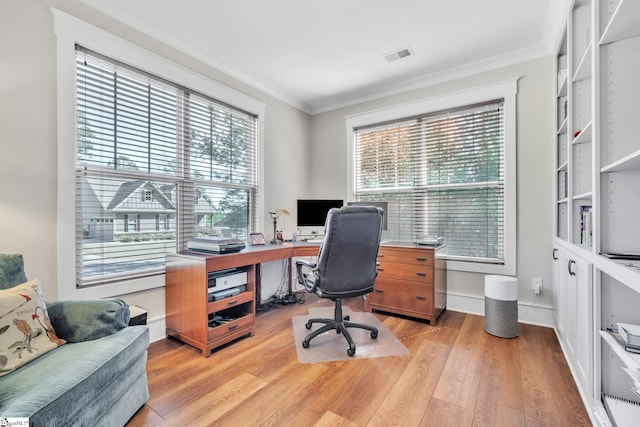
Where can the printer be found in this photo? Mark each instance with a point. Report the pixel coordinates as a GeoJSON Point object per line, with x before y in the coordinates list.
{"type": "Point", "coordinates": [218, 245]}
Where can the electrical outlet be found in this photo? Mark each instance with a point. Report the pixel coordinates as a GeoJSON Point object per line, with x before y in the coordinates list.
{"type": "Point", "coordinates": [536, 285]}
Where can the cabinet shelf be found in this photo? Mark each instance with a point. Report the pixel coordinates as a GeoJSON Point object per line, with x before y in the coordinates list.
{"type": "Point", "coordinates": [618, 270]}
{"type": "Point", "coordinates": [562, 83]}
{"type": "Point", "coordinates": [583, 196]}
{"type": "Point", "coordinates": [600, 49]}
{"type": "Point", "coordinates": [627, 163]}
{"type": "Point", "coordinates": [563, 127]}
{"type": "Point", "coordinates": [624, 22]}
{"type": "Point", "coordinates": [585, 134]}
{"type": "Point", "coordinates": [630, 360]}
{"type": "Point", "coordinates": [583, 70]}
{"type": "Point", "coordinates": [563, 166]}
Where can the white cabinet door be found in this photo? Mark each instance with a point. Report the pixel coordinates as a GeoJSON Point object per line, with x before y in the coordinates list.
{"type": "Point", "coordinates": [580, 319]}
{"type": "Point", "coordinates": [559, 292]}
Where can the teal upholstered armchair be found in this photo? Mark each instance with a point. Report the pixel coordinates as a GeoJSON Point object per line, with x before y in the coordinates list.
{"type": "Point", "coordinates": [73, 321]}
{"type": "Point", "coordinates": [97, 374]}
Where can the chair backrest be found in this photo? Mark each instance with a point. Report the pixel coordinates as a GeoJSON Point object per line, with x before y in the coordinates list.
{"type": "Point", "coordinates": [347, 259]}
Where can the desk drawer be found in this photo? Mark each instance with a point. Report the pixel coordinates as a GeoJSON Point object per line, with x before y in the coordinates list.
{"type": "Point", "coordinates": [416, 273]}
{"type": "Point", "coordinates": [405, 256]}
{"type": "Point", "coordinates": [228, 328]}
{"type": "Point", "coordinates": [408, 296]}
{"type": "Point", "coordinates": [229, 302]}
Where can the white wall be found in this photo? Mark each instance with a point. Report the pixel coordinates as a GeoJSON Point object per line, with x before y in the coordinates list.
{"type": "Point", "coordinates": [28, 127]}
{"type": "Point", "coordinates": [534, 175]}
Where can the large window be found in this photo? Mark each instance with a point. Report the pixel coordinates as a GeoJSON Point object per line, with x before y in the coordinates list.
{"type": "Point", "coordinates": [156, 164]}
{"type": "Point", "coordinates": [442, 172]}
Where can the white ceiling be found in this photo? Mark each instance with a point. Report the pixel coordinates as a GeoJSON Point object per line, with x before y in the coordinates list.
{"type": "Point", "coordinates": [322, 54]}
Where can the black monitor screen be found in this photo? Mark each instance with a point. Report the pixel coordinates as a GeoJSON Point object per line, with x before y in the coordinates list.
{"type": "Point", "coordinates": [383, 205]}
{"type": "Point", "coordinates": [313, 212]}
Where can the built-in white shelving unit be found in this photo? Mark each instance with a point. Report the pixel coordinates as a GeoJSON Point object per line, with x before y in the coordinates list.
{"type": "Point", "coordinates": [597, 197]}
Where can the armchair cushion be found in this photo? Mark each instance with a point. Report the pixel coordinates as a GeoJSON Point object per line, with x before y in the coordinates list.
{"type": "Point", "coordinates": [26, 332]}
{"type": "Point", "coordinates": [85, 320]}
{"type": "Point", "coordinates": [11, 270]}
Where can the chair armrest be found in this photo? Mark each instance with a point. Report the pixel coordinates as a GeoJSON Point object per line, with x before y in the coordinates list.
{"type": "Point", "coordinates": [87, 320]}
{"type": "Point", "coordinates": [306, 274]}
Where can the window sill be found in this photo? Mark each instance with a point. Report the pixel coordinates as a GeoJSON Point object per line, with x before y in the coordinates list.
{"type": "Point", "coordinates": [112, 289]}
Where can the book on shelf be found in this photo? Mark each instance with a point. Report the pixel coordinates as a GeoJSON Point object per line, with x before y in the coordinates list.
{"type": "Point", "coordinates": [586, 225]}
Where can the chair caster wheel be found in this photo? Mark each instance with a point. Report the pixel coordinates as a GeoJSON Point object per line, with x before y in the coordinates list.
{"type": "Point", "coordinates": [374, 335]}
{"type": "Point", "coordinates": [351, 352]}
{"type": "Point", "coordinates": [308, 326]}
{"type": "Point", "coordinates": [305, 344]}
{"type": "Point", "coordinates": [347, 318]}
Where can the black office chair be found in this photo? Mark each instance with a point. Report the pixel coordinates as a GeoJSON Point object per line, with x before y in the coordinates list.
{"type": "Point", "coordinates": [346, 266]}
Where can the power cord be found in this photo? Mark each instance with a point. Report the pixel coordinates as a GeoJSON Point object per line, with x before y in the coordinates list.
{"type": "Point", "coordinates": [526, 313]}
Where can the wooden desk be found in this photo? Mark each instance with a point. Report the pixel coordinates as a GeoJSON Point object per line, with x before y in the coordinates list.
{"type": "Point", "coordinates": [411, 281]}
{"type": "Point", "coordinates": [188, 309]}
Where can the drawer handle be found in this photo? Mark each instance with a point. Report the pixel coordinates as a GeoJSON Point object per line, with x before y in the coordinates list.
{"type": "Point", "coordinates": [235, 301]}
{"type": "Point", "coordinates": [380, 269]}
{"type": "Point", "coordinates": [421, 274]}
{"type": "Point", "coordinates": [420, 297]}
{"type": "Point", "coordinates": [420, 259]}
{"type": "Point", "coordinates": [379, 291]}
{"type": "Point", "coordinates": [380, 255]}
{"type": "Point", "coordinates": [232, 327]}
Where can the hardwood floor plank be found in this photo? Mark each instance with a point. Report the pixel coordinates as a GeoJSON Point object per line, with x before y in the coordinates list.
{"type": "Point", "coordinates": [330, 419]}
{"type": "Point", "coordinates": [440, 413]}
{"type": "Point", "coordinates": [500, 398]}
{"type": "Point", "coordinates": [460, 378]}
{"type": "Point", "coordinates": [455, 375]}
{"type": "Point", "coordinates": [211, 407]}
{"type": "Point", "coordinates": [277, 402]}
{"type": "Point", "coordinates": [551, 397]}
{"type": "Point", "coordinates": [408, 399]}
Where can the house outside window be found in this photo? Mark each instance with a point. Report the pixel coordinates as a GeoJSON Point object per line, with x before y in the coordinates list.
{"type": "Point", "coordinates": [445, 167]}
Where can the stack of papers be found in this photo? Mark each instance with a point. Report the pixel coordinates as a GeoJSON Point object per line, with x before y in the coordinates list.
{"type": "Point", "coordinates": [630, 335]}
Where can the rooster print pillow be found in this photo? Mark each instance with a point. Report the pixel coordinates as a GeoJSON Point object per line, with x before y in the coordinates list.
{"type": "Point", "coordinates": [25, 329]}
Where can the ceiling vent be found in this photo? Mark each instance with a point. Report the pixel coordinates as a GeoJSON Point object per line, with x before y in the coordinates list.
{"type": "Point", "coordinates": [398, 54]}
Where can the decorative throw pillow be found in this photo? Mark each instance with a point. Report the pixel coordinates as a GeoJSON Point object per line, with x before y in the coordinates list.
{"type": "Point", "coordinates": [25, 329]}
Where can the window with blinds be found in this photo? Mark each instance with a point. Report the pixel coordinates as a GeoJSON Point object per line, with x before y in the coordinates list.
{"type": "Point", "coordinates": [442, 174]}
{"type": "Point", "coordinates": [156, 164]}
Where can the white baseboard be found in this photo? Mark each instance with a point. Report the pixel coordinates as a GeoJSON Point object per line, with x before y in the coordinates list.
{"type": "Point", "coordinates": [157, 328]}
{"type": "Point", "coordinates": [533, 314]}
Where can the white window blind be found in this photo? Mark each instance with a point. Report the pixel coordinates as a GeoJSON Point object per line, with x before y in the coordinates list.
{"type": "Point", "coordinates": [149, 149]}
{"type": "Point", "coordinates": [442, 173]}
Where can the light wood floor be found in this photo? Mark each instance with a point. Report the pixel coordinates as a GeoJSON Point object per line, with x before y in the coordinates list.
{"type": "Point", "coordinates": [456, 375]}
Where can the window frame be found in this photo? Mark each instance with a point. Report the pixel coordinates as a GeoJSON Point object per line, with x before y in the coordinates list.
{"type": "Point", "coordinates": [506, 90]}
{"type": "Point", "coordinates": [69, 32]}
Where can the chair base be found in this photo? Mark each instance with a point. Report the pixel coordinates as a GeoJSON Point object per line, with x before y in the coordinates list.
{"type": "Point", "coordinates": [340, 324]}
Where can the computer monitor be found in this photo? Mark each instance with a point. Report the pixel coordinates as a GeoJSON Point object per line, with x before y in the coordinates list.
{"type": "Point", "coordinates": [383, 205]}
{"type": "Point", "coordinates": [313, 212]}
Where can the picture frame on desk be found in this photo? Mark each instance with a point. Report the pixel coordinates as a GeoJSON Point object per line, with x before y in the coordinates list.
{"type": "Point", "coordinates": [257, 239]}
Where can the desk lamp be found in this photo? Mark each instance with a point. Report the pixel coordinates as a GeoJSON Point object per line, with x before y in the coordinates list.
{"type": "Point", "coordinates": [275, 215]}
